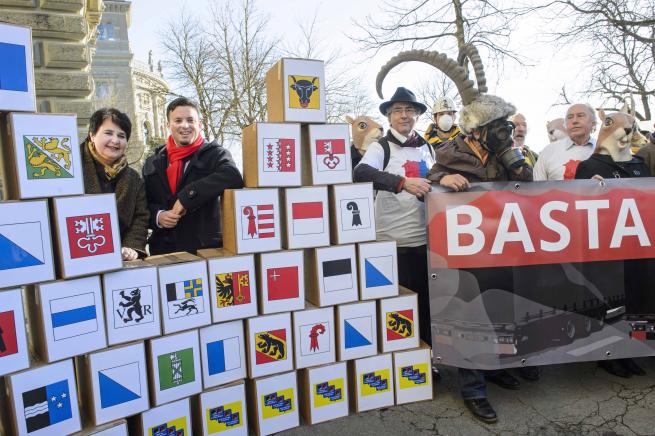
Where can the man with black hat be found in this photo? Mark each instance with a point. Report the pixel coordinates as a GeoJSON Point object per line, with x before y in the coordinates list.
{"type": "Point", "coordinates": [397, 165]}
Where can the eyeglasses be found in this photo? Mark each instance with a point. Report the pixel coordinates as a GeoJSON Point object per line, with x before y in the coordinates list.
{"type": "Point", "coordinates": [408, 110]}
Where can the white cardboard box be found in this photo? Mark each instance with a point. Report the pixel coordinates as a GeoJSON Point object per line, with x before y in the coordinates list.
{"type": "Point", "coordinates": [30, 389]}
{"type": "Point", "coordinates": [183, 290]}
{"type": "Point", "coordinates": [378, 269]}
{"type": "Point", "coordinates": [371, 382]}
{"type": "Point", "coordinates": [87, 234]}
{"type": "Point", "coordinates": [324, 392]}
{"type": "Point", "coordinates": [273, 404]}
{"type": "Point", "coordinates": [118, 383]}
{"type": "Point", "coordinates": [224, 411]}
{"type": "Point", "coordinates": [132, 303]}
{"type": "Point", "coordinates": [296, 91]}
{"type": "Point", "coordinates": [117, 428]}
{"type": "Point", "coordinates": [43, 156]}
{"type": "Point", "coordinates": [25, 243]}
{"type": "Point", "coordinates": [223, 351]}
{"type": "Point", "coordinates": [71, 318]}
{"type": "Point", "coordinates": [271, 155]}
{"type": "Point", "coordinates": [307, 218]}
{"type": "Point", "coordinates": [251, 220]}
{"type": "Point", "coordinates": [281, 281]}
{"type": "Point", "coordinates": [14, 355]}
{"type": "Point", "coordinates": [270, 344]}
{"type": "Point", "coordinates": [356, 330]}
{"type": "Point", "coordinates": [17, 94]}
{"type": "Point", "coordinates": [233, 284]}
{"type": "Point", "coordinates": [398, 321]}
{"type": "Point", "coordinates": [328, 160]}
{"type": "Point", "coordinates": [351, 213]}
{"type": "Point", "coordinates": [170, 419]}
{"type": "Point", "coordinates": [331, 275]}
{"type": "Point", "coordinates": [314, 336]}
{"type": "Point", "coordinates": [413, 374]}
{"type": "Point", "coordinates": [174, 367]}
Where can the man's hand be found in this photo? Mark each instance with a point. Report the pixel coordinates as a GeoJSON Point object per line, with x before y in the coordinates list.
{"type": "Point", "coordinates": [168, 219]}
{"type": "Point", "coordinates": [456, 182]}
{"type": "Point", "coordinates": [129, 254]}
{"type": "Point", "coordinates": [417, 186]}
{"type": "Point", "coordinates": [178, 208]}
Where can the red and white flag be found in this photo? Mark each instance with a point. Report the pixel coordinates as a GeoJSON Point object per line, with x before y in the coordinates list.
{"type": "Point", "coordinates": [279, 155]}
{"type": "Point", "coordinates": [331, 154]}
{"type": "Point", "coordinates": [307, 218]}
{"type": "Point", "coordinates": [258, 221]}
{"type": "Point", "coordinates": [282, 283]}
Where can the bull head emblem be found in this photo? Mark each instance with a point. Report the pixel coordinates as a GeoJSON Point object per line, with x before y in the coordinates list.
{"type": "Point", "coordinates": [304, 89]}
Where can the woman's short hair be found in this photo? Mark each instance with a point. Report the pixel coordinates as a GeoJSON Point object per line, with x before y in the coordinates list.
{"type": "Point", "coordinates": [109, 113]}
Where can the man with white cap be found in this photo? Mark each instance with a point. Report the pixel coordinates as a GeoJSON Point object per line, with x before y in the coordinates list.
{"type": "Point", "coordinates": [444, 128]}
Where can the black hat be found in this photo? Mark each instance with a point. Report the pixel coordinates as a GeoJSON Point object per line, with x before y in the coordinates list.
{"type": "Point", "coordinates": [403, 95]}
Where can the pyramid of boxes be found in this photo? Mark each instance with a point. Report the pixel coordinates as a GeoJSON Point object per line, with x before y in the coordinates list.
{"type": "Point", "coordinates": [300, 314]}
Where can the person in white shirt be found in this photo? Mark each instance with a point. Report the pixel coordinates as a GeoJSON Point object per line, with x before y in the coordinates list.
{"type": "Point", "coordinates": [559, 160]}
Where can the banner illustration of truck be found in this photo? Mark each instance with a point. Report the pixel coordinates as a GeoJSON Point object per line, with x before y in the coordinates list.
{"type": "Point", "coordinates": [542, 273]}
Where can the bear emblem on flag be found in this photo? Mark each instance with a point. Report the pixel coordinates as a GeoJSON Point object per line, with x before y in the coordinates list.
{"type": "Point", "coordinates": [270, 346]}
{"type": "Point", "coordinates": [400, 324]}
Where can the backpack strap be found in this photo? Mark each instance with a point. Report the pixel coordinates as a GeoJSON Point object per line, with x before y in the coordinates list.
{"type": "Point", "coordinates": [384, 142]}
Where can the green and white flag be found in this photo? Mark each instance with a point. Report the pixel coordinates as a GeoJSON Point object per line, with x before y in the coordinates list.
{"type": "Point", "coordinates": [176, 369]}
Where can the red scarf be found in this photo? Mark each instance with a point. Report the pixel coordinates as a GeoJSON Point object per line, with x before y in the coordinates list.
{"type": "Point", "coordinates": [176, 155]}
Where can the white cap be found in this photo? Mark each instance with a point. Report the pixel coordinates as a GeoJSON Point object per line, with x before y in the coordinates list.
{"type": "Point", "coordinates": [443, 104]}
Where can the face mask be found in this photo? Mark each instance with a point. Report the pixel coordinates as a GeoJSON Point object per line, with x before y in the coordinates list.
{"type": "Point", "coordinates": [445, 122]}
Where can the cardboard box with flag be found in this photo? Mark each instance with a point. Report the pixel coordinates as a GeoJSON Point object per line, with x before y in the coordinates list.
{"type": "Point", "coordinates": [307, 222]}
{"type": "Point", "coordinates": [296, 91]}
{"type": "Point", "coordinates": [183, 291]}
{"type": "Point", "coordinates": [352, 217]}
{"type": "Point", "coordinates": [132, 307]}
{"type": "Point", "coordinates": [115, 428]}
{"type": "Point", "coordinates": [170, 419]}
{"type": "Point", "coordinates": [222, 411]}
{"type": "Point", "coordinates": [87, 235]}
{"type": "Point", "coordinates": [271, 155]}
{"type": "Point", "coordinates": [314, 336]}
{"type": "Point", "coordinates": [42, 155]}
{"type": "Point", "coordinates": [43, 400]}
{"type": "Point", "coordinates": [371, 383]}
{"type": "Point", "coordinates": [281, 281]}
{"type": "Point", "coordinates": [223, 352]}
{"type": "Point", "coordinates": [251, 220]}
{"type": "Point", "coordinates": [114, 383]}
{"type": "Point", "coordinates": [398, 321]}
{"type": "Point", "coordinates": [16, 77]}
{"type": "Point", "coordinates": [378, 269]}
{"type": "Point", "coordinates": [14, 354]}
{"type": "Point", "coordinates": [413, 374]}
{"type": "Point", "coordinates": [324, 392]}
{"type": "Point", "coordinates": [174, 367]}
{"type": "Point", "coordinates": [356, 330]}
{"type": "Point", "coordinates": [273, 403]}
{"type": "Point", "coordinates": [69, 317]}
{"type": "Point", "coordinates": [270, 344]}
{"type": "Point", "coordinates": [25, 243]}
{"type": "Point", "coordinates": [232, 284]}
{"type": "Point", "coordinates": [326, 154]}
{"type": "Point", "coordinates": [331, 275]}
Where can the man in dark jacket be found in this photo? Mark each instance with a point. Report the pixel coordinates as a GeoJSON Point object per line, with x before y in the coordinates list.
{"type": "Point", "coordinates": [184, 180]}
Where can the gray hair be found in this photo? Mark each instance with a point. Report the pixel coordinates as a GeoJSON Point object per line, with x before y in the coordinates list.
{"type": "Point", "coordinates": [590, 111]}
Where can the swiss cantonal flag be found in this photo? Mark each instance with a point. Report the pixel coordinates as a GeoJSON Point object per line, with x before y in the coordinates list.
{"type": "Point", "coordinates": [331, 154]}
{"type": "Point", "coordinates": [307, 218]}
{"type": "Point", "coordinates": [282, 283]}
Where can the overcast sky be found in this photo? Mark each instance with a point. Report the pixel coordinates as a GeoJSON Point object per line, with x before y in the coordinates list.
{"type": "Point", "coordinates": [532, 89]}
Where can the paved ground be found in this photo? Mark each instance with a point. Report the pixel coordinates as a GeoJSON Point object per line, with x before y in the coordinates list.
{"type": "Point", "coordinates": [570, 399]}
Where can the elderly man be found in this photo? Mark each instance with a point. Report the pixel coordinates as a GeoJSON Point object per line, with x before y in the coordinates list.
{"type": "Point", "coordinates": [184, 180]}
{"type": "Point", "coordinates": [397, 165]}
{"type": "Point", "coordinates": [444, 128]}
{"type": "Point", "coordinates": [559, 160]}
{"type": "Point", "coordinates": [482, 153]}
{"type": "Point", "coordinates": [520, 132]}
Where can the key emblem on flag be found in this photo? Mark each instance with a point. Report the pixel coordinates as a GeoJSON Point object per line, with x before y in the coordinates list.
{"type": "Point", "coordinates": [279, 155]}
{"type": "Point", "coordinates": [257, 221]}
{"type": "Point", "coordinates": [232, 289]}
{"type": "Point", "coordinates": [89, 235]}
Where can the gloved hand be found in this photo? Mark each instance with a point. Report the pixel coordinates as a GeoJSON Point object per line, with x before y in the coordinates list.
{"type": "Point", "coordinates": [129, 254]}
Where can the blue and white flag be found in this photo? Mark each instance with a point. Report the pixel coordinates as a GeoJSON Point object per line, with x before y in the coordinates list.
{"type": "Point", "coordinates": [73, 316]}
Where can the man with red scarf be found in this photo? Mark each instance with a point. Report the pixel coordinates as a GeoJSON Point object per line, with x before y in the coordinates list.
{"type": "Point", "coordinates": [184, 179]}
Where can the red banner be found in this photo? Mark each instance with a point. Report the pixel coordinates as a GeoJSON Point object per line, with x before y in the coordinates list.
{"type": "Point", "coordinates": [542, 223]}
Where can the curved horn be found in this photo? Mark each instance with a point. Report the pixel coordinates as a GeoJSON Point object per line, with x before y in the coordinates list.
{"type": "Point", "coordinates": [629, 105]}
{"type": "Point", "coordinates": [468, 51]}
{"type": "Point", "coordinates": [449, 67]}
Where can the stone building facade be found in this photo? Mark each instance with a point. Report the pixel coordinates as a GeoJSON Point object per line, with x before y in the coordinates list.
{"type": "Point", "coordinates": [135, 87]}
